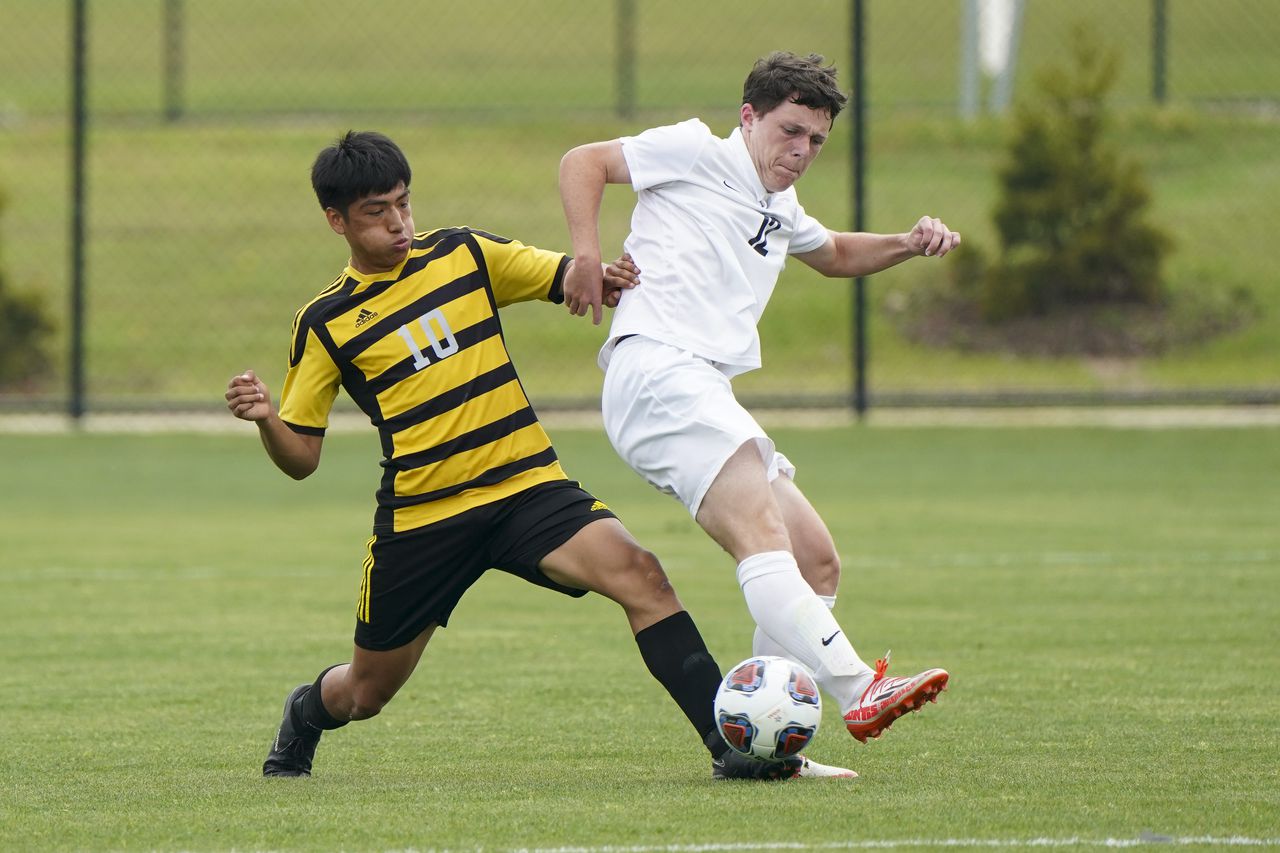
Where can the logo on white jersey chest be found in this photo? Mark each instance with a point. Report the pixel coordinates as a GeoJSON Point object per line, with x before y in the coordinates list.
{"type": "Point", "coordinates": [759, 241]}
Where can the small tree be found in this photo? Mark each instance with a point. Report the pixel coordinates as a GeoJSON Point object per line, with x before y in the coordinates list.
{"type": "Point", "coordinates": [1071, 217]}
{"type": "Point", "coordinates": [25, 328]}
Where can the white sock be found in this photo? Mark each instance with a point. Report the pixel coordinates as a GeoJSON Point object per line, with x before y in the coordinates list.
{"type": "Point", "coordinates": [763, 645]}
{"type": "Point", "coordinates": [794, 622]}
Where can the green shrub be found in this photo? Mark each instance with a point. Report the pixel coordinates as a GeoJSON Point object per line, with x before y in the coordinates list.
{"type": "Point", "coordinates": [25, 330]}
{"type": "Point", "coordinates": [1071, 216]}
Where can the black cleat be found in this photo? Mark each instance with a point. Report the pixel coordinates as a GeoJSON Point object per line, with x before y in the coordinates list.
{"type": "Point", "coordinates": [295, 743]}
{"type": "Point", "coordinates": [735, 765]}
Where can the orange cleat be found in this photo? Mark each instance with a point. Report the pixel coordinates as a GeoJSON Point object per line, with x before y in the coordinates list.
{"type": "Point", "coordinates": [887, 699]}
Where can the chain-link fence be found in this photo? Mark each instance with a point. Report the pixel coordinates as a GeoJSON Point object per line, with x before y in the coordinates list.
{"type": "Point", "coordinates": [201, 236]}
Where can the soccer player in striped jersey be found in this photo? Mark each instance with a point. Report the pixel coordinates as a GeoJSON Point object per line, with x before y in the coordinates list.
{"type": "Point", "coordinates": [715, 220]}
{"type": "Point", "coordinates": [470, 481]}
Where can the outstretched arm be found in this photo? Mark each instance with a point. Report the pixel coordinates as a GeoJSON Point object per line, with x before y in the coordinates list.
{"type": "Point", "coordinates": [850, 254]}
{"type": "Point", "coordinates": [295, 454]}
{"type": "Point", "coordinates": [584, 172]}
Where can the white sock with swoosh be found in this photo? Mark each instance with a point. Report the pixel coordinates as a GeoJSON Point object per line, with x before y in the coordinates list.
{"type": "Point", "coordinates": [793, 622]}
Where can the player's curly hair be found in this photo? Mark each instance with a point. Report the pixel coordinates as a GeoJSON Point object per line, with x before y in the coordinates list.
{"type": "Point", "coordinates": [804, 80]}
{"type": "Point", "coordinates": [359, 164]}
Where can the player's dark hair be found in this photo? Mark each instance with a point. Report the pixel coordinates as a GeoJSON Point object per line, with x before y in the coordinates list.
{"type": "Point", "coordinates": [359, 164]}
{"type": "Point", "coordinates": [804, 80]}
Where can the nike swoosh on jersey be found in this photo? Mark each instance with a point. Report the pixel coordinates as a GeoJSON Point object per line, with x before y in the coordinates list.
{"type": "Point", "coordinates": [828, 640]}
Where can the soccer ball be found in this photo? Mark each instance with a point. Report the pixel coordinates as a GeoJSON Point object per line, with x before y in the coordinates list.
{"type": "Point", "coordinates": [768, 708]}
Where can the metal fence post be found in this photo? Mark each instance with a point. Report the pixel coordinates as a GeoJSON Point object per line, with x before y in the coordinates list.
{"type": "Point", "coordinates": [625, 70]}
{"type": "Point", "coordinates": [173, 61]}
{"type": "Point", "coordinates": [970, 82]}
{"type": "Point", "coordinates": [1159, 47]}
{"type": "Point", "coordinates": [858, 176]}
{"type": "Point", "coordinates": [79, 119]}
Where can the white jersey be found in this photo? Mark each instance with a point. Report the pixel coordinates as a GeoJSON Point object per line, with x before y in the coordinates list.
{"type": "Point", "coordinates": [709, 240]}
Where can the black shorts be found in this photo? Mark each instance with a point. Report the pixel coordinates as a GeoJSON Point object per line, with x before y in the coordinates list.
{"type": "Point", "coordinates": [415, 578]}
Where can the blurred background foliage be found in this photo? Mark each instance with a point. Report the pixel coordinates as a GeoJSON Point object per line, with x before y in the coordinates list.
{"type": "Point", "coordinates": [204, 238]}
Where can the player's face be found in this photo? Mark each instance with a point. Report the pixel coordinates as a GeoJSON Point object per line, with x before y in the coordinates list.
{"type": "Point", "coordinates": [378, 228]}
{"type": "Point", "coordinates": [784, 141]}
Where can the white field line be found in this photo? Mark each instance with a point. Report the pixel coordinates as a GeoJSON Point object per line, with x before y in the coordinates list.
{"type": "Point", "coordinates": [1145, 838]}
{"type": "Point", "coordinates": [868, 844]}
{"type": "Point", "coordinates": [889, 844]}
{"type": "Point", "coordinates": [1057, 559]}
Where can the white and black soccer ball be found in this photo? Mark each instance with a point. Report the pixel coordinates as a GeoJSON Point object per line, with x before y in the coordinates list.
{"type": "Point", "coordinates": [768, 708]}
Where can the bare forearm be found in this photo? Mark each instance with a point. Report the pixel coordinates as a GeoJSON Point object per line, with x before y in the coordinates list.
{"type": "Point", "coordinates": [862, 253]}
{"type": "Point", "coordinates": [293, 453]}
{"type": "Point", "coordinates": [849, 254]}
{"type": "Point", "coordinates": [582, 182]}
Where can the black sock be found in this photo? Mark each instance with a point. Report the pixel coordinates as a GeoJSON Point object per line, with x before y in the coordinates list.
{"type": "Point", "coordinates": [676, 655]}
{"type": "Point", "coordinates": [310, 711]}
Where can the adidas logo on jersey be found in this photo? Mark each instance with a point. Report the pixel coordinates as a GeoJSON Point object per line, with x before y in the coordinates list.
{"type": "Point", "coordinates": [365, 316]}
{"type": "Point", "coordinates": [598, 505]}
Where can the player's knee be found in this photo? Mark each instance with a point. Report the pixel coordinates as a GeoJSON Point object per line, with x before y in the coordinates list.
{"type": "Point", "coordinates": [643, 565]}
{"type": "Point", "coordinates": [655, 576]}
{"type": "Point", "coordinates": [644, 576]}
{"type": "Point", "coordinates": [743, 533]}
{"type": "Point", "coordinates": [822, 572]}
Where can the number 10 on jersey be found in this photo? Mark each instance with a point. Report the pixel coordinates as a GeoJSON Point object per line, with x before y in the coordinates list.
{"type": "Point", "coordinates": [442, 343]}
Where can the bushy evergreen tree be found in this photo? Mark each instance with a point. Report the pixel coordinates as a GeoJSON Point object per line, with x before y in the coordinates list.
{"type": "Point", "coordinates": [1072, 212]}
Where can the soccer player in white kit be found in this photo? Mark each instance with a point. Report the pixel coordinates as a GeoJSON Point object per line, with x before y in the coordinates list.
{"type": "Point", "coordinates": [714, 221]}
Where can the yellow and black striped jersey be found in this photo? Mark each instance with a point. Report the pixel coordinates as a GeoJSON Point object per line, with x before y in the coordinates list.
{"type": "Point", "coordinates": [420, 350]}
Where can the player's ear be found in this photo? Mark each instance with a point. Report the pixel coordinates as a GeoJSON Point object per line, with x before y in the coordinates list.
{"type": "Point", "coordinates": [747, 115]}
{"type": "Point", "coordinates": [337, 221]}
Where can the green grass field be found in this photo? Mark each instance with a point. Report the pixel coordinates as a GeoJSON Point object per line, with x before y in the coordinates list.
{"type": "Point", "coordinates": [206, 239]}
{"type": "Point", "coordinates": [1108, 602]}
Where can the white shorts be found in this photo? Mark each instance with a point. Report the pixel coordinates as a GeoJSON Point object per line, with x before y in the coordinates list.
{"type": "Point", "coordinates": [673, 417]}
